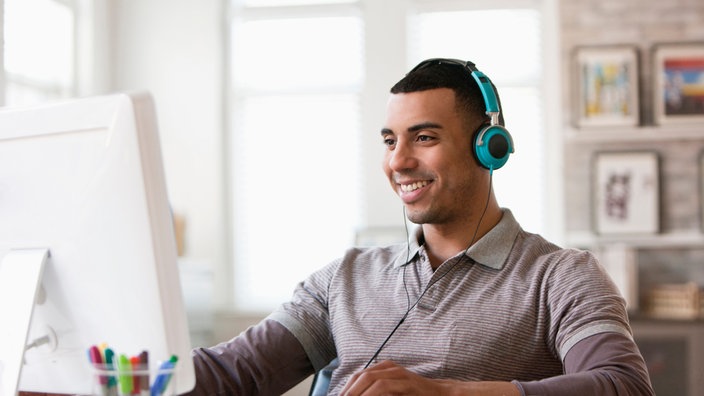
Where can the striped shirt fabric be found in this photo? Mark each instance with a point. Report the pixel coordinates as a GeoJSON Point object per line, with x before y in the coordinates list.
{"type": "Point", "coordinates": [507, 309]}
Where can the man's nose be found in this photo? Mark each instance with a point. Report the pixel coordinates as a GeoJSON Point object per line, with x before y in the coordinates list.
{"type": "Point", "coordinates": [402, 158]}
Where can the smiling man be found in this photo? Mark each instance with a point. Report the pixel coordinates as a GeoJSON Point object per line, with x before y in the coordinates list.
{"type": "Point", "coordinates": [429, 163]}
{"type": "Point", "coordinates": [472, 304]}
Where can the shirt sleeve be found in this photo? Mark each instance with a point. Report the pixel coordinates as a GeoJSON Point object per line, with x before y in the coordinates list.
{"type": "Point", "coordinates": [266, 359]}
{"type": "Point", "coordinates": [606, 364]}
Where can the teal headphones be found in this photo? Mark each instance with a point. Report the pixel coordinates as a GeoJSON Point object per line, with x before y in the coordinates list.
{"type": "Point", "coordinates": [492, 143]}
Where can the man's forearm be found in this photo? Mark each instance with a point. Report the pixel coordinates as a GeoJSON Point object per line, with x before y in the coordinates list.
{"type": "Point", "coordinates": [264, 360]}
{"type": "Point", "coordinates": [605, 364]}
{"type": "Point", "coordinates": [487, 388]}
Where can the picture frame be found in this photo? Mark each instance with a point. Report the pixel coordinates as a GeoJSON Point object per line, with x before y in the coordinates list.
{"type": "Point", "coordinates": [606, 86]}
{"type": "Point", "coordinates": [678, 83]}
{"type": "Point", "coordinates": [626, 193]}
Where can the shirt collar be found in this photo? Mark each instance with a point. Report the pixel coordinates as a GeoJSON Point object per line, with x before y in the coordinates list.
{"type": "Point", "coordinates": [491, 250]}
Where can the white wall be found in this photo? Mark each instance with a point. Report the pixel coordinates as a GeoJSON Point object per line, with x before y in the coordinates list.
{"type": "Point", "coordinates": [174, 49]}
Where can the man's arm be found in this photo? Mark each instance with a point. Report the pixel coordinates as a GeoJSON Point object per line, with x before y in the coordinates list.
{"type": "Point", "coordinates": [388, 378]}
{"type": "Point", "coordinates": [266, 359]}
{"type": "Point", "coordinates": [606, 364]}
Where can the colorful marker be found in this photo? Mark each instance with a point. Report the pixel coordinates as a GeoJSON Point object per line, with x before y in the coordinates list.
{"type": "Point", "coordinates": [124, 374]}
{"type": "Point", "coordinates": [96, 358]}
{"type": "Point", "coordinates": [135, 363]}
{"type": "Point", "coordinates": [164, 376]}
{"type": "Point", "coordinates": [129, 376]}
{"type": "Point", "coordinates": [144, 379]}
{"type": "Point", "coordinates": [109, 360]}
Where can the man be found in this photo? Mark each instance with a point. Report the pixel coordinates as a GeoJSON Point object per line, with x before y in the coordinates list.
{"type": "Point", "coordinates": [472, 304]}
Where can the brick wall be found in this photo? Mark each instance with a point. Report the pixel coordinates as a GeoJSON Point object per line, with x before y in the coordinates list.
{"type": "Point", "coordinates": [642, 23]}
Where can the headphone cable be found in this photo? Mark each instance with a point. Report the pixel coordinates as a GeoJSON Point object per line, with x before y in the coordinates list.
{"type": "Point", "coordinates": [408, 252]}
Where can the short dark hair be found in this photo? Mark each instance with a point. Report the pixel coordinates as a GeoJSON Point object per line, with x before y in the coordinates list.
{"type": "Point", "coordinates": [470, 102]}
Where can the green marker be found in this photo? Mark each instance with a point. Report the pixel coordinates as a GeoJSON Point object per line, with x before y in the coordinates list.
{"type": "Point", "coordinates": [124, 374]}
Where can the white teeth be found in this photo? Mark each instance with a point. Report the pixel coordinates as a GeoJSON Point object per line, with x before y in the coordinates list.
{"type": "Point", "coordinates": [413, 186]}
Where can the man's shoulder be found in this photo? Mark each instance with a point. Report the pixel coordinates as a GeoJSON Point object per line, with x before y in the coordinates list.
{"type": "Point", "coordinates": [368, 257]}
{"type": "Point", "coordinates": [534, 251]}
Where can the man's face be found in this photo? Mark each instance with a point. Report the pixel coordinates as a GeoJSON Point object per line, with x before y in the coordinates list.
{"type": "Point", "coordinates": [428, 158]}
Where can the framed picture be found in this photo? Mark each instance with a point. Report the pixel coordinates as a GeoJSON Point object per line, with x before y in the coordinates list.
{"type": "Point", "coordinates": [678, 91]}
{"type": "Point", "coordinates": [626, 192]}
{"type": "Point", "coordinates": [606, 86]}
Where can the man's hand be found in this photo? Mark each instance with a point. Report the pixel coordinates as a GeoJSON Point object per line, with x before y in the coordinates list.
{"type": "Point", "coordinates": [388, 378]}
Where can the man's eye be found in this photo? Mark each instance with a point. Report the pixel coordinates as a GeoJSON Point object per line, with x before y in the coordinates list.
{"type": "Point", "coordinates": [389, 142]}
{"type": "Point", "coordinates": [425, 138]}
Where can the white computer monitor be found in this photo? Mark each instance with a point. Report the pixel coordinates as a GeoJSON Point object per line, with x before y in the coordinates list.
{"type": "Point", "coordinates": [83, 180]}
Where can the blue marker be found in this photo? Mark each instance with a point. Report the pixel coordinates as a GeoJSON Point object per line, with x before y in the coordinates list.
{"type": "Point", "coordinates": [164, 376]}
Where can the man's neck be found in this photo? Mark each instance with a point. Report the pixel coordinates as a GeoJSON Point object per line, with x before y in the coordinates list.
{"type": "Point", "coordinates": [445, 241]}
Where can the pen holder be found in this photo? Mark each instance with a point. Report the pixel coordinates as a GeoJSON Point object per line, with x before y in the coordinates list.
{"type": "Point", "coordinates": [111, 381]}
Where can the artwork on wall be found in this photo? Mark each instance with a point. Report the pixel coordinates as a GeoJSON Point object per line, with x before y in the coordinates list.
{"type": "Point", "coordinates": [678, 93]}
{"type": "Point", "coordinates": [606, 86]}
{"type": "Point", "coordinates": [626, 192]}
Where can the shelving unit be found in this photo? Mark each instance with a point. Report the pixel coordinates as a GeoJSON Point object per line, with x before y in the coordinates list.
{"type": "Point", "coordinates": [673, 256]}
{"type": "Point", "coordinates": [672, 348]}
{"type": "Point", "coordinates": [635, 134]}
{"type": "Point", "coordinates": [674, 239]}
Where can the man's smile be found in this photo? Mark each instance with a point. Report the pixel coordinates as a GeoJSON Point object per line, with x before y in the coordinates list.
{"type": "Point", "coordinates": [414, 186]}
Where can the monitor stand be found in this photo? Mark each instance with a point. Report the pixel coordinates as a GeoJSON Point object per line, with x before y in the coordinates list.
{"type": "Point", "coordinates": [20, 276]}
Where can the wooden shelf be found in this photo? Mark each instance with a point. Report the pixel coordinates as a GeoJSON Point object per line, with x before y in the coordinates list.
{"type": "Point", "coordinates": [636, 134]}
{"type": "Point", "coordinates": [676, 239]}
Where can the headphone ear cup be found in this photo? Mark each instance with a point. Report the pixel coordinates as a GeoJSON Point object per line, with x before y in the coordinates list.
{"type": "Point", "coordinates": [492, 146]}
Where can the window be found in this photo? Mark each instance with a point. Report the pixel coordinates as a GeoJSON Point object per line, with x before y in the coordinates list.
{"type": "Point", "coordinates": [304, 91]}
{"type": "Point", "coordinates": [38, 54]}
{"type": "Point", "coordinates": [296, 79]}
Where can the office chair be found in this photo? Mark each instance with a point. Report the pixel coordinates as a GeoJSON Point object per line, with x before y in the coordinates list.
{"type": "Point", "coordinates": [321, 380]}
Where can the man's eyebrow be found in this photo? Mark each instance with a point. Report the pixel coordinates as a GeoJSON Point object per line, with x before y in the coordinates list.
{"type": "Point", "coordinates": [424, 125]}
{"type": "Point", "coordinates": [414, 128]}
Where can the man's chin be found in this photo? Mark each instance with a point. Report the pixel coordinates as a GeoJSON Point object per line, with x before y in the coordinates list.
{"type": "Point", "coordinates": [417, 217]}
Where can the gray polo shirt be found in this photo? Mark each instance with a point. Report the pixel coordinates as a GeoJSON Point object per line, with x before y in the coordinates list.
{"type": "Point", "coordinates": [508, 309]}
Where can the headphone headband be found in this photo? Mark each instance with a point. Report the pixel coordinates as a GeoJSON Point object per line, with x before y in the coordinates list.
{"type": "Point", "coordinates": [491, 104]}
